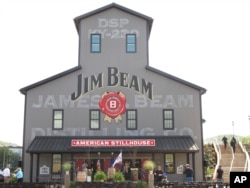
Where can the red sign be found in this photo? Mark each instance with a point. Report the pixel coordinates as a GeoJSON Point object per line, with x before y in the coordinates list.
{"type": "Point", "coordinates": [112, 142]}
{"type": "Point", "coordinates": [113, 104]}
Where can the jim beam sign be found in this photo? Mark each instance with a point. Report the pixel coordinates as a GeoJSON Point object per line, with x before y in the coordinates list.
{"type": "Point", "coordinates": [113, 105]}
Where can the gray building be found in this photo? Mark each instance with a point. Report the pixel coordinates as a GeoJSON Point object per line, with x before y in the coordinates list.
{"type": "Point", "coordinates": [112, 102]}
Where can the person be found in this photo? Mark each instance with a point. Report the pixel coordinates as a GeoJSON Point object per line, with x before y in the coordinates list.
{"type": "Point", "coordinates": [84, 166]}
{"type": "Point", "coordinates": [233, 143]}
{"type": "Point", "coordinates": [219, 174]}
{"type": "Point", "coordinates": [6, 174]}
{"type": "Point", "coordinates": [19, 175]}
{"type": "Point", "coordinates": [127, 172]}
{"type": "Point", "coordinates": [158, 175]}
{"type": "Point", "coordinates": [224, 139]}
{"type": "Point", "coordinates": [143, 175]}
{"type": "Point", "coordinates": [98, 165]}
{"type": "Point", "coordinates": [189, 173]}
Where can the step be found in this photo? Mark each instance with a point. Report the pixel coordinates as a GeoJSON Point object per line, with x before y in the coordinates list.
{"type": "Point", "coordinates": [237, 169]}
{"type": "Point", "coordinates": [238, 164]}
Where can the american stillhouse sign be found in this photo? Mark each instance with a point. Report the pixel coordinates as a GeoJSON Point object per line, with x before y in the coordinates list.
{"type": "Point", "coordinates": [113, 142]}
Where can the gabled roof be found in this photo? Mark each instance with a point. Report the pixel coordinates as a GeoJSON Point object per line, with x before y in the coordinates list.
{"type": "Point", "coordinates": [62, 144]}
{"type": "Point", "coordinates": [201, 89]}
{"type": "Point", "coordinates": [113, 5]}
{"type": "Point", "coordinates": [25, 89]}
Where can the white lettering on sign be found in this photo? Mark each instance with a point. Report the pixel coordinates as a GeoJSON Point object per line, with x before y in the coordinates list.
{"type": "Point", "coordinates": [112, 142]}
{"type": "Point", "coordinates": [140, 101]}
{"type": "Point", "coordinates": [115, 28]}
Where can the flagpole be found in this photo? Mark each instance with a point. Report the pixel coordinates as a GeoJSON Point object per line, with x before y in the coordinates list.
{"type": "Point", "coordinates": [233, 128]}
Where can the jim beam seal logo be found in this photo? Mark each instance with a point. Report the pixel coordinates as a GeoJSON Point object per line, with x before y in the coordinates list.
{"type": "Point", "coordinates": [113, 105]}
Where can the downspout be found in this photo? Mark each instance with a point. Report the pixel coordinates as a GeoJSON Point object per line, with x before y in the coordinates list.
{"type": "Point", "coordinates": [202, 141]}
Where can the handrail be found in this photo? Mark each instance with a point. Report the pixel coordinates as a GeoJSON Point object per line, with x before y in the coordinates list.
{"type": "Point", "coordinates": [232, 159]}
{"type": "Point", "coordinates": [218, 153]}
{"type": "Point", "coordinates": [247, 163]}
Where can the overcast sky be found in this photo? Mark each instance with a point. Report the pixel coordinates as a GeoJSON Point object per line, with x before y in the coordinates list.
{"type": "Point", "coordinates": [205, 42]}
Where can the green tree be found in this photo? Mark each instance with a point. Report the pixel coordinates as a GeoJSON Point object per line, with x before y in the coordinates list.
{"type": "Point", "coordinates": [245, 140]}
{"type": "Point", "coordinates": [8, 157]}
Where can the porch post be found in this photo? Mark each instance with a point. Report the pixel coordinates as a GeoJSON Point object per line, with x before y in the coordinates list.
{"type": "Point", "coordinates": [31, 167]}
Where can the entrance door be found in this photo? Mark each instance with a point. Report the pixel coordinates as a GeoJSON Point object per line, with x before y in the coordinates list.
{"type": "Point", "coordinates": [78, 164]}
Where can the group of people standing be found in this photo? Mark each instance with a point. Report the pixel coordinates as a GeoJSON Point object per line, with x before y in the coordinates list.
{"type": "Point", "coordinates": [232, 142]}
{"type": "Point", "coordinates": [6, 174]}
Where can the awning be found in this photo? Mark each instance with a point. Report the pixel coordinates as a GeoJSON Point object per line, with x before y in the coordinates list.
{"type": "Point", "coordinates": [63, 144]}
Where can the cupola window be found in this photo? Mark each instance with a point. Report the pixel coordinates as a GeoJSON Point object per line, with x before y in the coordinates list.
{"type": "Point", "coordinates": [131, 43]}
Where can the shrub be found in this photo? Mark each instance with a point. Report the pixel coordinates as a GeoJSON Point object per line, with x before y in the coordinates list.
{"type": "Point", "coordinates": [118, 177]}
{"type": "Point", "coordinates": [66, 166]}
{"type": "Point", "coordinates": [141, 184]}
{"type": "Point", "coordinates": [100, 176]}
{"type": "Point", "coordinates": [72, 184]}
{"type": "Point", "coordinates": [13, 179]}
{"type": "Point", "coordinates": [210, 171]}
{"type": "Point", "coordinates": [149, 165]}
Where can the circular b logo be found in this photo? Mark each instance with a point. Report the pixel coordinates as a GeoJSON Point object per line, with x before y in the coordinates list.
{"type": "Point", "coordinates": [113, 104]}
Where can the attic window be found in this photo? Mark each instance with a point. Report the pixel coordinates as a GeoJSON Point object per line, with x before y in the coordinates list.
{"type": "Point", "coordinates": [95, 42]}
{"type": "Point", "coordinates": [131, 43]}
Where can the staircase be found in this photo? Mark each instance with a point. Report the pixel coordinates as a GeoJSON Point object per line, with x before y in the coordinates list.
{"type": "Point", "coordinates": [239, 160]}
{"type": "Point", "coordinates": [230, 163]}
{"type": "Point", "coordinates": [225, 161]}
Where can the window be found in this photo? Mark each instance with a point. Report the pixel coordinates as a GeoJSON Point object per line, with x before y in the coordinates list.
{"type": "Point", "coordinates": [131, 43]}
{"type": "Point", "coordinates": [95, 43]}
{"type": "Point", "coordinates": [56, 163]}
{"type": "Point", "coordinates": [94, 119]}
{"type": "Point", "coordinates": [169, 163]}
{"type": "Point", "coordinates": [131, 121]}
{"type": "Point", "coordinates": [168, 119]}
{"type": "Point", "coordinates": [57, 119]}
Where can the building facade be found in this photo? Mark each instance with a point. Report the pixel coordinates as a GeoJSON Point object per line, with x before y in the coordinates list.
{"type": "Point", "coordinates": [112, 102]}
